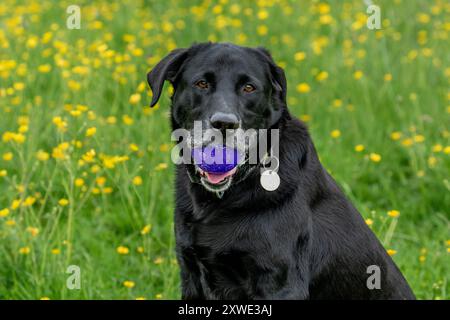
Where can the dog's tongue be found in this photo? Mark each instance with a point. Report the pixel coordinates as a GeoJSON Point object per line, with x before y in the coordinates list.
{"type": "Point", "coordinates": [216, 178]}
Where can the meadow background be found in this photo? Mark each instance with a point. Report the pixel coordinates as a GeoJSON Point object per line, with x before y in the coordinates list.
{"type": "Point", "coordinates": [85, 171]}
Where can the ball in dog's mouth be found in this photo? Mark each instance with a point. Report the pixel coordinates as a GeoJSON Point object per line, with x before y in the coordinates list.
{"type": "Point", "coordinates": [216, 165]}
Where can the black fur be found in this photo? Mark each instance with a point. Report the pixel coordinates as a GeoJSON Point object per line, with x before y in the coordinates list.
{"type": "Point", "coordinates": [303, 241]}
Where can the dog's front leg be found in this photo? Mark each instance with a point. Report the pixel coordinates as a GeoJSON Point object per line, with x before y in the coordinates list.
{"type": "Point", "coordinates": [190, 276]}
{"type": "Point", "coordinates": [190, 287]}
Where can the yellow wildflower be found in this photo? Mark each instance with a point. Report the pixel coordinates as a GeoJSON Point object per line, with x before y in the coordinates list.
{"type": "Point", "coordinates": [305, 117]}
{"type": "Point", "coordinates": [129, 284]}
{"type": "Point", "coordinates": [321, 76]}
{"type": "Point", "coordinates": [12, 136]}
{"type": "Point", "coordinates": [16, 204]}
{"type": "Point", "coordinates": [335, 134]}
{"type": "Point", "coordinates": [393, 213]}
{"type": "Point", "coordinates": [122, 250]}
{"type": "Point", "coordinates": [432, 161]}
{"type": "Point", "coordinates": [391, 252]}
{"type": "Point", "coordinates": [33, 231]}
{"type": "Point", "coordinates": [8, 156]}
{"type": "Point", "coordinates": [164, 147]}
{"type": "Point", "coordinates": [79, 182]}
{"type": "Point", "coordinates": [396, 135]}
{"type": "Point", "coordinates": [111, 120]}
{"type": "Point", "coordinates": [91, 131]}
{"type": "Point", "coordinates": [303, 87]}
{"type": "Point", "coordinates": [161, 166]}
{"type": "Point", "coordinates": [107, 190]}
{"type": "Point", "coordinates": [375, 157]}
{"type": "Point", "coordinates": [358, 74]}
{"type": "Point", "coordinates": [135, 98]}
{"type": "Point", "coordinates": [137, 181]}
{"type": "Point", "coordinates": [4, 212]}
{"type": "Point", "coordinates": [127, 120]}
{"type": "Point", "coordinates": [44, 68]}
{"type": "Point", "coordinates": [262, 30]}
{"type": "Point", "coordinates": [359, 148]}
{"type": "Point", "coordinates": [100, 181]}
{"type": "Point", "coordinates": [134, 147]}
{"type": "Point", "coordinates": [146, 229]}
{"type": "Point", "coordinates": [29, 201]}
{"type": "Point", "coordinates": [299, 56]}
{"type": "Point", "coordinates": [263, 15]}
{"type": "Point", "coordinates": [42, 155]}
{"type": "Point", "coordinates": [437, 148]}
{"type": "Point", "coordinates": [407, 142]}
{"type": "Point", "coordinates": [63, 202]}
{"type": "Point", "coordinates": [60, 124]}
{"type": "Point", "coordinates": [10, 223]}
{"type": "Point", "coordinates": [337, 103]}
{"type": "Point", "coordinates": [24, 250]}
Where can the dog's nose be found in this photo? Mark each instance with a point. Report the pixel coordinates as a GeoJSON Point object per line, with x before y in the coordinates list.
{"type": "Point", "coordinates": [223, 121]}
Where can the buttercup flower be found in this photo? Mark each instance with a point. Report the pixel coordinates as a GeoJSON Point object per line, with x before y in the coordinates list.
{"type": "Point", "coordinates": [393, 213]}
{"type": "Point", "coordinates": [63, 202]}
{"type": "Point", "coordinates": [335, 134]}
{"type": "Point", "coordinates": [129, 284]}
{"type": "Point", "coordinates": [391, 252]}
{"type": "Point", "coordinates": [24, 250]}
{"type": "Point", "coordinates": [4, 212]}
{"type": "Point", "coordinates": [137, 181]}
{"type": "Point", "coordinates": [358, 74]}
{"type": "Point", "coordinates": [122, 250]}
{"type": "Point", "coordinates": [359, 148]}
{"type": "Point", "coordinates": [375, 157]}
{"type": "Point", "coordinates": [91, 131]}
{"type": "Point", "coordinates": [146, 229]}
{"type": "Point", "coordinates": [303, 88]}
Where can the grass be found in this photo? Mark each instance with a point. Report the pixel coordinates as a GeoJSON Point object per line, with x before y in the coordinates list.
{"type": "Point", "coordinates": [102, 198]}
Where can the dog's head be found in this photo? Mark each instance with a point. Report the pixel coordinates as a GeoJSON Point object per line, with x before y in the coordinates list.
{"type": "Point", "coordinates": [226, 88]}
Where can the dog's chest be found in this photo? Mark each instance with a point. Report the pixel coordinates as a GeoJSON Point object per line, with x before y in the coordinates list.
{"type": "Point", "coordinates": [224, 264]}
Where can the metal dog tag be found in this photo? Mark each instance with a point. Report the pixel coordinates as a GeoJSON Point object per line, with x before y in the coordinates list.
{"type": "Point", "coordinates": [270, 180]}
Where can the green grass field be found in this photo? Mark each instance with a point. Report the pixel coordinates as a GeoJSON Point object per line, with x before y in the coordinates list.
{"type": "Point", "coordinates": [85, 172]}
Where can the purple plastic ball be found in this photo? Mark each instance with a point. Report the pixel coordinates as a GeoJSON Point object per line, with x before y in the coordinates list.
{"type": "Point", "coordinates": [215, 159]}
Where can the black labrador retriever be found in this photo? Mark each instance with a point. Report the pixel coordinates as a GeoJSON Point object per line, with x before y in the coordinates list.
{"type": "Point", "coordinates": [304, 240]}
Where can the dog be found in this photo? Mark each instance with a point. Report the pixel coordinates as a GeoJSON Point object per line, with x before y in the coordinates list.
{"type": "Point", "coordinates": [304, 240]}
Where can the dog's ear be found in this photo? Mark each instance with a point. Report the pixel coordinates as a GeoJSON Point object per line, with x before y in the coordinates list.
{"type": "Point", "coordinates": [166, 69]}
{"type": "Point", "coordinates": [278, 78]}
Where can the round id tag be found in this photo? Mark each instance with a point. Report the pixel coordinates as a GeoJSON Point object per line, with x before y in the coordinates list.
{"type": "Point", "coordinates": [270, 180]}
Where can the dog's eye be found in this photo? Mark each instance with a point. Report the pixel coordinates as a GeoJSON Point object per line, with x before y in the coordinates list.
{"type": "Point", "coordinates": [249, 88]}
{"type": "Point", "coordinates": [202, 84]}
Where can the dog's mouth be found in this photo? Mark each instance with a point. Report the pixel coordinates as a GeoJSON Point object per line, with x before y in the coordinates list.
{"type": "Point", "coordinates": [214, 181]}
{"type": "Point", "coordinates": [216, 166]}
